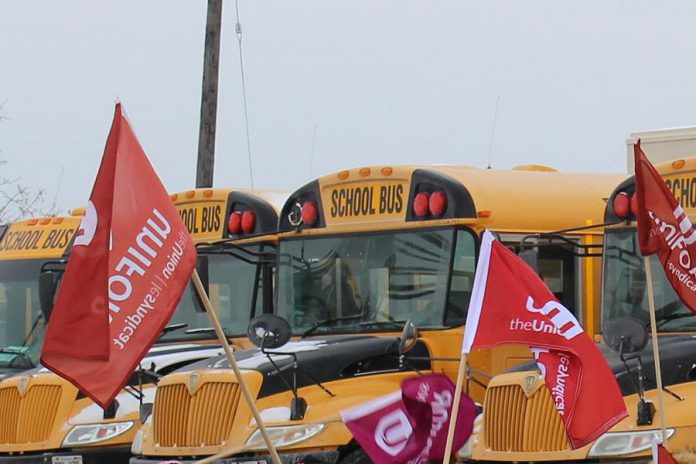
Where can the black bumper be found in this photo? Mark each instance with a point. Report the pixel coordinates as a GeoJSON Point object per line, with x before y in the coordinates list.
{"type": "Point", "coordinates": [118, 455]}
{"type": "Point", "coordinates": [321, 457]}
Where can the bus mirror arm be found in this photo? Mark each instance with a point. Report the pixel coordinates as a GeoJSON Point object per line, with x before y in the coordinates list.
{"type": "Point", "coordinates": [202, 269]}
{"type": "Point", "coordinates": [645, 409]}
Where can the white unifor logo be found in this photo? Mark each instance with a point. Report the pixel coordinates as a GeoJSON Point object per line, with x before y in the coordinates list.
{"type": "Point", "coordinates": [392, 432]}
{"type": "Point", "coordinates": [563, 321]}
{"type": "Point", "coordinates": [88, 226]}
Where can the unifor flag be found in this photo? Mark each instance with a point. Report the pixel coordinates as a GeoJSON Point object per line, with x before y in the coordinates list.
{"type": "Point", "coordinates": [664, 229]}
{"type": "Point", "coordinates": [410, 425]}
{"type": "Point", "coordinates": [511, 304]}
{"type": "Point", "coordinates": [130, 263]}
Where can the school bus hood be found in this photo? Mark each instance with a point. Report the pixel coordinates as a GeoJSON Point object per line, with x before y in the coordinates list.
{"type": "Point", "coordinates": [322, 360]}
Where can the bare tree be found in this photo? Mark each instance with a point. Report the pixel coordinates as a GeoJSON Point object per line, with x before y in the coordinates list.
{"type": "Point", "coordinates": [18, 201]}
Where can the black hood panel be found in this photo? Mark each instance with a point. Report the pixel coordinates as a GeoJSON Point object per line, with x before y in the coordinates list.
{"type": "Point", "coordinates": [323, 360]}
{"type": "Point", "coordinates": [6, 372]}
{"type": "Point", "coordinates": [677, 358]}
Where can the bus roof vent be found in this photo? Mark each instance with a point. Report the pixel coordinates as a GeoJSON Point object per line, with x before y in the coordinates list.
{"type": "Point", "coordinates": [534, 167]}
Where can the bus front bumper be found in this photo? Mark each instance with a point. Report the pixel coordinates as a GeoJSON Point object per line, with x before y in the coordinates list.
{"type": "Point", "coordinates": [115, 455]}
{"type": "Point", "coordinates": [317, 457]}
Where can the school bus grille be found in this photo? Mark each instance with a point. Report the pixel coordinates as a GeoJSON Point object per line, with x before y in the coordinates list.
{"type": "Point", "coordinates": [28, 418]}
{"type": "Point", "coordinates": [514, 422]}
{"type": "Point", "coordinates": [202, 419]}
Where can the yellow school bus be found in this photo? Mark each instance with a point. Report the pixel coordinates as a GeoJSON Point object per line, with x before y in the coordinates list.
{"type": "Point", "coordinates": [25, 246]}
{"type": "Point", "coordinates": [520, 422]}
{"type": "Point", "coordinates": [361, 252]}
{"type": "Point", "coordinates": [44, 418]}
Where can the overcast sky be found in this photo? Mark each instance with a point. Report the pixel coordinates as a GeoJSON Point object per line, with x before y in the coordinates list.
{"type": "Point", "coordinates": [385, 82]}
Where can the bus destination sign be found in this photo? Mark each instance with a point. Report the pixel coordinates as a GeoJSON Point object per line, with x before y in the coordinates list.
{"type": "Point", "coordinates": [378, 201]}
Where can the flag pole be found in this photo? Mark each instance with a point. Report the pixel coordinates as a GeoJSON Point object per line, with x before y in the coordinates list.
{"type": "Point", "coordinates": [455, 409]}
{"type": "Point", "coordinates": [656, 350]}
{"type": "Point", "coordinates": [228, 351]}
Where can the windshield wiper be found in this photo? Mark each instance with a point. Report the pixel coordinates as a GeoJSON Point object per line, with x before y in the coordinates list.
{"type": "Point", "coordinates": [210, 330]}
{"type": "Point", "coordinates": [173, 327]}
{"type": "Point", "coordinates": [20, 354]}
{"type": "Point", "coordinates": [200, 330]}
{"type": "Point", "coordinates": [330, 321]}
{"type": "Point", "coordinates": [390, 322]}
{"type": "Point", "coordinates": [665, 319]}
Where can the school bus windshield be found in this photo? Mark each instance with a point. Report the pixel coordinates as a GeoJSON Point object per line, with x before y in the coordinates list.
{"type": "Point", "coordinates": [356, 282]}
{"type": "Point", "coordinates": [625, 291]}
{"type": "Point", "coordinates": [235, 292]}
{"type": "Point", "coordinates": [21, 321]}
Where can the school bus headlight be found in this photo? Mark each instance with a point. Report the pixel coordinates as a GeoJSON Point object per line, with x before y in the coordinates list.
{"type": "Point", "coordinates": [95, 433]}
{"type": "Point", "coordinates": [283, 436]}
{"type": "Point", "coordinates": [618, 443]}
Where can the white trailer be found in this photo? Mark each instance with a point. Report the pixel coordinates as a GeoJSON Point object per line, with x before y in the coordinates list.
{"type": "Point", "coordinates": [663, 144]}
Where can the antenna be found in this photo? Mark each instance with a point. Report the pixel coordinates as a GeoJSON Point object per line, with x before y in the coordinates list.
{"type": "Point", "coordinates": [238, 31]}
{"type": "Point", "coordinates": [55, 197]}
{"type": "Point", "coordinates": [490, 143]}
{"type": "Point", "coordinates": [311, 154]}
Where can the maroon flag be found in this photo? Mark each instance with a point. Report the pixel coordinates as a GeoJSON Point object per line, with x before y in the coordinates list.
{"type": "Point", "coordinates": [511, 304]}
{"type": "Point", "coordinates": [410, 425]}
{"type": "Point", "coordinates": [129, 266]}
{"type": "Point", "coordinates": [663, 228]}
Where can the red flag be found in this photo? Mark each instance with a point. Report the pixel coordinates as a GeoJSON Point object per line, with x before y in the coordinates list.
{"type": "Point", "coordinates": [660, 454]}
{"type": "Point", "coordinates": [410, 425]}
{"type": "Point", "coordinates": [664, 228]}
{"type": "Point", "coordinates": [131, 261]}
{"type": "Point", "coordinates": [511, 304]}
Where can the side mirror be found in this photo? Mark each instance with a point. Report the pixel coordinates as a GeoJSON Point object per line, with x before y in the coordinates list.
{"type": "Point", "coordinates": [202, 269]}
{"type": "Point", "coordinates": [48, 283]}
{"type": "Point", "coordinates": [269, 331]}
{"type": "Point", "coordinates": [531, 257]}
{"type": "Point", "coordinates": [626, 335]}
{"type": "Point", "coordinates": [408, 338]}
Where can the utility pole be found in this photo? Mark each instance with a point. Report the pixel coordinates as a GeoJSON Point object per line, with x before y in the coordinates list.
{"type": "Point", "coordinates": [209, 96]}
